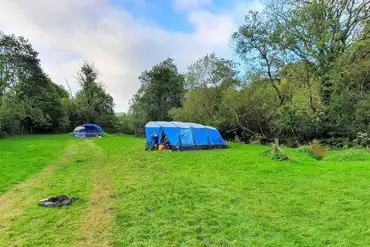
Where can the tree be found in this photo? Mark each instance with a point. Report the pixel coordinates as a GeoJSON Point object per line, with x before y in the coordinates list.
{"type": "Point", "coordinates": [12, 112]}
{"type": "Point", "coordinates": [316, 32]}
{"type": "Point", "coordinates": [18, 61]}
{"type": "Point", "coordinates": [255, 43]}
{"type": "Point", "coordinates": [124, 124]}
{"type": "Point", "coordinates": [207, 81]}
{"type": "Point", "coordinates": [21, 73]}
{"type": "Point", "coordinates": [314, 55]}
{"type": "Point", "coordinates": [161, 90]}
{"type": "Point", "coordinates": [307, 78]}
{"type": "Point", "coordinates": [321, 31]}
{"type": "Point", "coordinates": [198, 106]}
{"type": "Point", "coordinates": [31, 102]}
{"type": "Point", "coordinates": [254, 109]}
{"type": "Point", "coordinates": [92, 101]}
{"type": "Point", "coordinates": [351, 89]}
{"type": "Point", "coordinates": [211, 71]}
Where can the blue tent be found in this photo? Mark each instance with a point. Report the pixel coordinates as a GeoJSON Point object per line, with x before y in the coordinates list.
{"type": "Point", "coordinates": [185, 136]}
{"type": "Point", "coordinates": [88, 130]}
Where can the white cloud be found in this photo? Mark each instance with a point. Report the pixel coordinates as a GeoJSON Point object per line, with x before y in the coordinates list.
{"type": "Point", "coordinates": [191, 4]}
{"type": "Point", "coordinates": [210, 28]}
{"type": "Point", "coordinates": [67, 32]}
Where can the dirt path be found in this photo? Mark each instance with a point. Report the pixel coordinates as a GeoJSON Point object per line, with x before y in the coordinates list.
{"type": "Point", "coordinates": [15, 200]}
{"type": "Point", "coordinates": [96, 226]}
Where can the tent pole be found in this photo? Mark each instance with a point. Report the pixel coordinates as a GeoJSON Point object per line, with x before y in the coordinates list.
{"type": "Point", "coordinates": [194, 138]}
{"type": "Point", "coordinates": [178, 134]}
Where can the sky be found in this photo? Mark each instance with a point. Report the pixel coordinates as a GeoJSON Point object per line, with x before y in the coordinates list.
{"type": "Point", "coordinates": [123, 37]}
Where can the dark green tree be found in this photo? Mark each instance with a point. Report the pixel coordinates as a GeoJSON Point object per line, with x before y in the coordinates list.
{"type": "Point", "coordinates": [316, 32]}
{"type": "Point", "coordinates": [93, 103]}
{"type": "Point", "coordinates": [314, 55]}
{"type": "Point", "coordinates": [18, 61]}
{"type": "Point", "coordinates": [207, 81]}
{"type": "Point", "coordinates": [161, 90]}
{"type": "Point", "coordinates": [21, 72]}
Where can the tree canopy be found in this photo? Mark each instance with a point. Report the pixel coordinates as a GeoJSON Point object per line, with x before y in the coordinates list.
{"type": "Point", "coordinates": [31, 102]}
{"type": "Point", "coordinates": [305, 67]}
{"type": "Point", "coordinates": [161, 90]}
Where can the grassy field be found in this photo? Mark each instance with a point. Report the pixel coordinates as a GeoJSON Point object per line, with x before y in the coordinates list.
{"type": "Point", "coordinates": [129, 197]}
{"type": "Point", "coordinates": [23, 156]}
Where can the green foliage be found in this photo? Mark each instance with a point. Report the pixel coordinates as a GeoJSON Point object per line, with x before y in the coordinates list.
{"type": "Point", "coordinates": [96, 106]}
{"type": "Point", "coordinates": [124, 124]}
{"type": "Point", "coordinates": [31, 102]}
{"type": "Point", "coordinates": [213, 71]}
{"type": "Point", "coordinates": [279, 156]}
{"type": "Point", "coordinates": [315, 56]}
{"type": "Point", "coordinates": [209, 81]}
{"type": "Point", "coordinates": [161, 90]}
{"type": "Point", "coordinates": [237, 139]}
{"type": "Point", "coordinates": [362, 115]}
{"type": "Point", "coordinates": [316, 150]}
{"type": "Point", "coordinates": [199, 106]}
{"type": "Point", "coordinates": [362, 139]}
{"type": "Point", "coordinates": [307, 77]}
{"type": "Point", "coordinates": [37, 96]}
{"type": "Point", "coordinates": [11, 114]}
{"type": "Point", "coordinates": [336, 142]}
{"type": "Point", "coordinates": [107, 122]}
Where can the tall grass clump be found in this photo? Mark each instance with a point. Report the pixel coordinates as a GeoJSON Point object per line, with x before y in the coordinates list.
{"type": "Point", "coordinates": [317, 150]}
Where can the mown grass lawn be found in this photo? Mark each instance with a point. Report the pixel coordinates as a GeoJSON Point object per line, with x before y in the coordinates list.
{"type": "Point", "coordinates": [20, 157]}
{"type": "Point", "coordinates": [129, 197]}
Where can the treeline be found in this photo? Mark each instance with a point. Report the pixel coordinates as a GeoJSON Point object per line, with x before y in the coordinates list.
{"type": "Point", "coordinates": [31, 103]}
{"type": "Point", "coordinates": [303, 73]}
{"type": "Point", "coordinates": [307, 76]}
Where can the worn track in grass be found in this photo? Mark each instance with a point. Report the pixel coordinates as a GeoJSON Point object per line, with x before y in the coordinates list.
{"type": "Point", "coordinates": [78, 172]}
{"type": "Point", "coordinates": [14, 201]}
{"type": "Point", "coordinates": [96, 226]}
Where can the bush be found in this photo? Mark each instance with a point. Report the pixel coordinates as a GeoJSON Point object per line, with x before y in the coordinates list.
{"type": "Point", "coordinates": [237, 139]}
{"type": "Point", "coordinates": [291, 142]}
{"type": "Point", "coordinates": [279, 155]}
{"type": "Point", "coordinates": [316, 150]}
{"type": "Point", "coordinates": [362, 140]}
{"type": "Point", "coordinates": [336, 142]}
